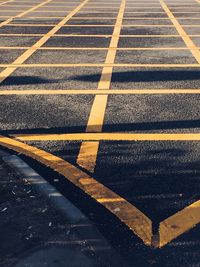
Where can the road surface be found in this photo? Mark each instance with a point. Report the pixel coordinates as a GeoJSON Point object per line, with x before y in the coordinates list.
{"type": "Point", "coordinates": [105, 97]}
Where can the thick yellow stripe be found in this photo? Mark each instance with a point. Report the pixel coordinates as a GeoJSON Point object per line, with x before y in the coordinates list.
{"type": "Point", "coordinates": [106, 65]}
{"type": "Point", "coordinates": [110, 137]}
{"type": "Point", "coordinates": [179, 223]}
{"type": "Point", "coordinates": [100, 92]}
{"type": "Point", "coordinates": [100, 35]}
{"type": "Point", "coordinates": [2, 3]}
{"type": "Point", "coordinates": [98, 49]}
{"type": "Point", "coordinates": [137, 221]}
{"type": "Point", "coordinates": [21, 59]}
{"type": "Point", "coordinates": [189, 43]}
{"type": "Point", "coordinates": [88, 152]}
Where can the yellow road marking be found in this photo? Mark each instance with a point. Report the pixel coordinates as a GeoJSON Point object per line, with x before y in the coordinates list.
{"type": "Point", "coordinates": [2, 3]}
{"type": "Point", "coordinates": [60, 35]}
{"type": "Point", "coordinates": [137, 221]}
{"type": "Point", "coordinates": [99, 35]}
{"type": "Point", "coordinates": [100, 25]}
{"type": "Point", "coordinates": [24, 13]}
{"type": "Point", "coordinates": [41, 11]}
{"type": "Point", "coordinates": [181, 31]}
{"type": "Point", "coordinates": [79, 18]}
{"type": "Point", "coordinates": [21, 59]}
{"type": "Point", "coordinates": [110, 137]}
{"type": "Point", "coordinates": [100, 92]}
{"type": "Point", "coordinates": [96, 48]}
{"type": "Point", "coordinates": [10, 68]}
{"type": "Point", "coordinates": [88, 151]}
{"type": "Point", "coordinates": [30, 25]}
{"type": "Point", "coordinates": [179, 223]}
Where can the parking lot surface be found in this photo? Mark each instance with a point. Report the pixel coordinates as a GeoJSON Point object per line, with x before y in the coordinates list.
{"type": "Point", "coordinates": [105, 96]}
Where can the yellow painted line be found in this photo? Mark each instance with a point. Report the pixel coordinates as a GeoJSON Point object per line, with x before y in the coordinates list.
{"type": "Point", "coordinates": [96, 137]}
{"type": "Point", "coordinates": [30, 25]}
{"type": "Point", "coordinates": [181, 31]}
{"type": "Point", "coordinates": [99, 35]}
{"type": "Point", "coordinates": [115, 12]}
{"type": "Point", "coordinates": [42, 11]}
{"type": "Point", "coordinates": [5, 2]}
{"type": "Point", "coordinates": [15, 65]}
{"type": "Point", "coordinates": [94, 48]}
{"type": "Point", "coordinates": [100, 92]}
{"type": "Point", "coordinates": [24, 13]}
{"type": "Point", "coordinates": [31, 5]}
{"type": "Point", "coordinates": [188, 12]}
{"type": "Point", "coordinates": [136, 221]}
{"type": "Point", "coordinates": [57, 11]}
{"type": "Point", "coordinates": [50, 25]}
{"type": "Point", "coordinates": [124, 25]}
{"type": "Point", "coordinates": [191, 26]}
{"type": "Point", "coordinates": [42, 17]}
{"type": "Point", "coordinates": [53, 48]}
{"type": "Point", "coordinates": [101, 18]}
{"type": "Point", "coordinates": [58, 35]}
{"type": "Point", "coordinates": [99, 25]}
{"type": "Point", "coordinates": [21, 59]}
{"type": "Point", "coordinates": [179, 223]}
{"type": "Point", "coordinates": [88, 151]}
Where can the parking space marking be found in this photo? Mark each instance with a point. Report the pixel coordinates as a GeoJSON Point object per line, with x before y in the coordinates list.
{"type": "Point", "coordinates": [179, 223]}
{"type": "Point", "coordinates": [100, 25]}
{"type": "Point", "coordinates": [98, 48]}
{"type": "Point", "coordinates": [118, 136]}
{"type": "Point", "coordinates": [88, 151]}
{"type": "Point", "coordinates": [100, 92]}
{"type": "Point", "coordinates": [5, 2]}
{"type": "Point", "coordinates": [21, 59]}
{"type": "Point", "coordinates": [100, 35]}
{"type": "Point", "coordinates": [10, 68]}
{"type": "Point", "coordinates": [189, 43]}
{"type": "Point", "coordinates": [24, 13]}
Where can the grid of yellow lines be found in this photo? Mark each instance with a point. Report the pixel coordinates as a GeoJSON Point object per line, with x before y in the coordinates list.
{"type": "Point", "coordinates": [66, 12]}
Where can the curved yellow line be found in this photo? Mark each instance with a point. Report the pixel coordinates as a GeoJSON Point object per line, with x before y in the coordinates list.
{"type": "Point", "coordinates": [137, 221]}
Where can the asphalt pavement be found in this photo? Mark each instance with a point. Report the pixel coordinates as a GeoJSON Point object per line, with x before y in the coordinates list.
{"type": "Point", "coordinates": [105, 96]}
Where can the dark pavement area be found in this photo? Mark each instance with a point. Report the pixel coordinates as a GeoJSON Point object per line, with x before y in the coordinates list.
{"type": "Point", "coordinates": [33, 231]}
{"type": "Point", "coordinates": [158, 177]}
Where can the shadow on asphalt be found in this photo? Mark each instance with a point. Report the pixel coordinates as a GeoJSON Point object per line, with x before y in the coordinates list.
{"type": "Point", "coordinates": [23, 80]}
{"type": "Point", "coordinates": [146, 76]}
{"type": "Point", "coordinates": [120, 127]}
{"type": "Point", "coordinates": [152, 182]}
{"type": "Point", "coordinates": [178, 252]}
{"type": "Point", "coordinates": [121, 77]}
